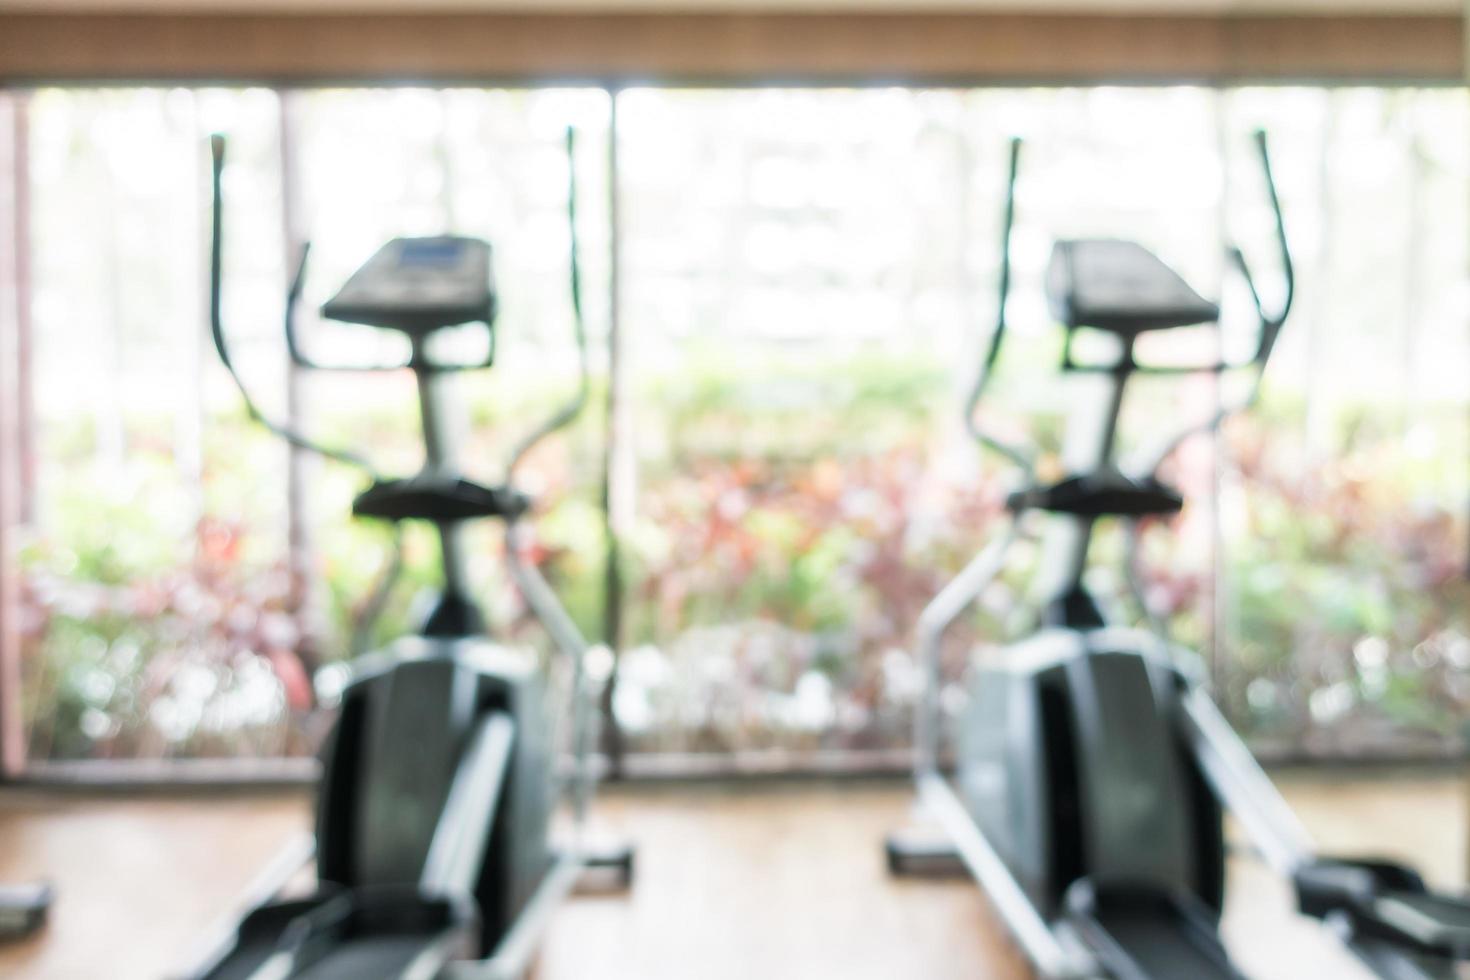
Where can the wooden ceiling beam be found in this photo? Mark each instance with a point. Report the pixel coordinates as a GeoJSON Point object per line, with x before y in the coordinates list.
{"type": "Point", "coordinates": [729, 48]}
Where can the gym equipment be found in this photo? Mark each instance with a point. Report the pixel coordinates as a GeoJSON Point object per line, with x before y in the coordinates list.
{"type": "Point", "coordinates": [433, 849]}
{"type": "Point", "coordinates": [1091, 770]}
{"type": "Point", "coordinates": [23, 909]}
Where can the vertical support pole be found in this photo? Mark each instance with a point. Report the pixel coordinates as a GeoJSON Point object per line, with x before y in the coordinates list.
{"type": "Point", "coordinates": [14, 408]}
{"type": "Point", "coordinates": [1465, 25]}
{"type": "Point", "coordinates": [1465, 28]}
{"type": "Point", "coordinates": [298, 539]}
{"type": "Point", "coordinates": [616, 462]}
{"type": "Point", "coordinates": [108, 408]}
{"type": "Point", "coordinates": [1319, 420]}
{"type": "Point", "coordinates": [1413, 261]}
{"type": "Point", "coordinates": [444, 157]}
{"type": "Point", "coordinates": [1218, 600]}
{"type": "Point", "coordinates": [189, 408]}
{"type": "Point", "coordinates": [24, 335]}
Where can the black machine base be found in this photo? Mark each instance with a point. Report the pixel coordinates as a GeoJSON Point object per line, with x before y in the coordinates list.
{"type": "Point", "coordinates": [608, 869]}
{"type": "Point", "coordinates": [23, 910]}
{"type": "Point", "coordinates": [923, 857]}
{"type": "Point", "coordinates": [339, 933]}
{"type": "Point", "coordinates": [368, 933]}
{"type": "Point", "coordinates": [375, 932]}
{"type": "Point", "coordinates": [1384, 900]}
{"type": "Point", "coordinates": [1137, 931]}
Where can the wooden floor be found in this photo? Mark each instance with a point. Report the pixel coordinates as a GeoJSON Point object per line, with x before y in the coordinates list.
{"type": "Point", "coordinates": [759, 880]}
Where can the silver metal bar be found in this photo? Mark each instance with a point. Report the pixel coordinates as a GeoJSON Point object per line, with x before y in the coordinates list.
{"type": "Point", "coordinates": [430, 962]}
{"type": "Point", "coordinates": [1133, 573]}
{"type": "Point", "coordinates": [620, 462]}
{"type": "Point", "coordinates": [278, 966]}
{"type": "Point", "coordinates": [1092, 428]}
{"type": "Point", "coordinates": [278, 874]}
{"type": "Point", "coordinates": [1066, 540]}
{"type": "Point", "coordinates": [299, 463]}
{"type": "Point", "coordinates": [936, 618]}
{"type": "Point", "coordinates": [440, 444]}
{"type": "Point", "coordinates": [1033, 933]}
{"type": "Point", "coordinates": [569, 641]}
{"type": "Point", "coordinates": [1393, 962]}
{"type": "Point", "coordinates": [264, 887]}
{"type": "Point", "coordinates": [456, 576]}
{"type": "Point", "coordinates": [512, 957]}
{"type": "Point", "coordinates": [1244, 786]}
{"type": "Point", "coordinates": [457, 851]}
{"type": "Point", "coordinates": [1092, 425]}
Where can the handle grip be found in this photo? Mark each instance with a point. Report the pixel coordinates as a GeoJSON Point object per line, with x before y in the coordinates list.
{"type": "Point", "coordinates": [997, 337]}
{"type": "Point", "coordinates": [217, 149]}
{"type": "Point", "coordinates": [1288, 272]}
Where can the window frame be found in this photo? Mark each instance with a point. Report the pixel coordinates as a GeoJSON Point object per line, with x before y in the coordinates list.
{"type": "Point", "coordinates": [16, 491]}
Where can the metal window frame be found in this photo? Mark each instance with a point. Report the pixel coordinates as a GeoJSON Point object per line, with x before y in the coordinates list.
{"type": "Point", "coordinates": [16, 477]}
{"type": "Point", "coordinates": [15, 484]}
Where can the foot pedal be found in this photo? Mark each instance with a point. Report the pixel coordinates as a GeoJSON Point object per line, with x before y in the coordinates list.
{"type": "Point", "coordinates": [1140, 930]}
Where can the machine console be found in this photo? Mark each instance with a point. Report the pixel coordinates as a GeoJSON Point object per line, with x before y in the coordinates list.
{"type": "Point", "coordinates": [1120, 286]}
{"type": "Point", "coordinates": [418, 285]}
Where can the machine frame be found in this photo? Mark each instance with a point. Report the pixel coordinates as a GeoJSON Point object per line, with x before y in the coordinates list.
{"type": "Point", "coordinates": [1070, 940]}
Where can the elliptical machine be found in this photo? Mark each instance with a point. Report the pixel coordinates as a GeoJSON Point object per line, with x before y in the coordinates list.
{"type": "Point", "coordinates": [1091, 770]}
{"type": "Point", "coordinates": [433, 848]}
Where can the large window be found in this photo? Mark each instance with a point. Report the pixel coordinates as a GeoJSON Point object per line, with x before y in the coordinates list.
{"type": "Point", "coordinates": [804, 281]}
{"type": "Point", "coordinates": [182, 585]}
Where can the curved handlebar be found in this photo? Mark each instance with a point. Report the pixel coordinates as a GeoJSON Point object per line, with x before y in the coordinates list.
{"type": "Point", "coordinates": [217, 148]}
{"type": "Point", "coordinates": [1288, 271]}
{"type": "Point", "coordinates": [294, 348]}
{"type": "Point", "coordinates": [987, 367]}
{"type": "Point", "coordinates": [562, 417]}
{"type": "Point", "coordinates": [1270, 323]}
{"type": "Point", "coordinates": [568, 412]}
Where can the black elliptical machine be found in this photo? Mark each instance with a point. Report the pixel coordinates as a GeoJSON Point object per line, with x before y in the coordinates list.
{"type": "Point", "coordinates": [1091, 770]}
{"type": "Point", "coordinates": [433, 850]}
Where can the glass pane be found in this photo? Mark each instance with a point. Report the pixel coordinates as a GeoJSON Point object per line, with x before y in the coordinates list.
{"type": "Point", "coordinates": [810, 280]}
{"type": "Point", "coordinates": [166, 617]}
{"type": "Point", "coordinates": [811, 277]}
{"type": "Point", "coordinates": [1344, 621]}
{"type": "Point", "coordinates": [374, 164]}
{"type": "Point", "coordinates": [154, 582]}
{"type": "Point", "coordinates": [808, 283]}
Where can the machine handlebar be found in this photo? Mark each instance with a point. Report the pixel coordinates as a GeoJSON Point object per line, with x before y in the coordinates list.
{"type": "Point", "coordinates": [217, 153]}
{"type": "Point", "coordinates": [990, 440]}
{"type": "Point", "coordinates": [1270, 323]}
{"type": "Point", "coordinates": [218, 146]}
{"type": "Point", "coordinates": [294, 347]}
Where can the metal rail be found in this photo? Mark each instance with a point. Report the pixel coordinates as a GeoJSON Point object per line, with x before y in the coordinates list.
{"type": "Point", "coordinates": [1037, 937]}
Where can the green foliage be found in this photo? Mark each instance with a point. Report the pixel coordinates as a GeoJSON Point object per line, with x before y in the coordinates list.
{"type": "Point", "coordinates": [798, 407]}
{"type": "Point", "coordinates": [813, 498]}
